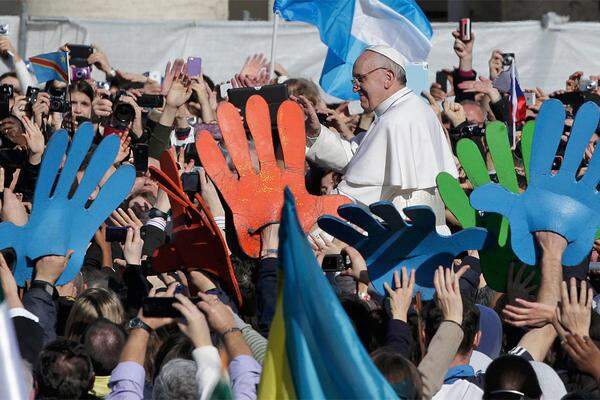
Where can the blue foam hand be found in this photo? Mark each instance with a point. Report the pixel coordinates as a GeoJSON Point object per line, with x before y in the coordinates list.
{"type": "Point", "coordinates": [394, 243]}
{"type": "Point", "coordinates": [559, 203]}
{"type": "Point", "coordinates": [59, 223]}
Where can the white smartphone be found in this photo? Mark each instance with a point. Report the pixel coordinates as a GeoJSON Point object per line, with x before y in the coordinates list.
{"type": "Point", "coordinates": [529, 98]}
{"type": "Point", "coordinates": [354, 107]}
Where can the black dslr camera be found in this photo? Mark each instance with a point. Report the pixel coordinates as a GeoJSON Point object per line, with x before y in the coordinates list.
{"type": "Point", "coordinates": [467, 131]}
{"type": "Point", "coordinates": [123, 113]}
{"type": "Point", "coordinates": [58, 100]}
{"type": "Point", "coordinates": [6, 92]}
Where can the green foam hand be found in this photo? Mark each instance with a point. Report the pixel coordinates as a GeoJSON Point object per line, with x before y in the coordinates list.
{"type": "Point", "coordinates": [495, 260]}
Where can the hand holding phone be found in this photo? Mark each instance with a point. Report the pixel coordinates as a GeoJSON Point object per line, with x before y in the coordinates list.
{"type": "Point", "coordinates": [116, 234]}
{"type": "Point", "coordinates": [464, 28]}
{"type": "Point", "coordinates": [335, 263]}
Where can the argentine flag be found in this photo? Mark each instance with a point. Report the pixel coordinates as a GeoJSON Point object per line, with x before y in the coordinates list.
{"type": "Point", "coordinates": [347, 27]}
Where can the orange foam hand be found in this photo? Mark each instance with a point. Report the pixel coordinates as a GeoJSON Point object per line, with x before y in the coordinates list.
{"type": "Point", "coordinates": [255, 197]}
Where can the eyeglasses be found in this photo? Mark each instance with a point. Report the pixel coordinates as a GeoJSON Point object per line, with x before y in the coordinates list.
{"type": "Point", "coordinates": [358, 79]}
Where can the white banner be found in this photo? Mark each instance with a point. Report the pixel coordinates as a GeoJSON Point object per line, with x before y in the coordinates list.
{"type": "Point", "coordinates": [545, 58]}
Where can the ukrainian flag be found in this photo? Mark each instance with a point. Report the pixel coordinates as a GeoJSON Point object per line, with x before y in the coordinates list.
{"type": "Point", "coordinates": [313, 350]}
{"type": "Point", "coordinates": [51, 66]}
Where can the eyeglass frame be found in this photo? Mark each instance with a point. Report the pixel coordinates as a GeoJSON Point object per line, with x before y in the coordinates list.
{"type": "Point", "coordinates": [358, 79]}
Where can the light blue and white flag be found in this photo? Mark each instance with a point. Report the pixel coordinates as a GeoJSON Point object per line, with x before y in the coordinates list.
{"type": "Point", "coordinates": [347, 27]}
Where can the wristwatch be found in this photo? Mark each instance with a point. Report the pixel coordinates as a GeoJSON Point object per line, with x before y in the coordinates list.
{"type": "Point", "coordinates": [156, 213]}
{"type": "Point", "coordinates": [46, 287]}
{"type": "Point", "coordinates": [137, 323]}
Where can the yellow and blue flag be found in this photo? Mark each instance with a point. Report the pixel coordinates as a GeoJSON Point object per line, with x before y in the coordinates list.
{"type": "Point", "coordinates": [51, 66]}
{"type": "Point", "coordinates": [313, 352]}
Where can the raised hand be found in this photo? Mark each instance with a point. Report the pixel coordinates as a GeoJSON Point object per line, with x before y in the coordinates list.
{"type": "Point", "coordinates": [495, 259]}
{"type": "Point", "coordinates": [255, 198]}
{"type": "Point", "coordinates": [194, 232]}
{"type": "Point", "coordinates": [529, 313]}
{"type": "Point", "coordinates": [558, 203]}
{"type": "Point", "coordinates": [447, 294]}
{"type": "Point", "coordinates": [401, 295]}
{"type": "Point", "coordinates": [495, 64]}
{"type": "Point", "coordinates": [483, 85]}
{"type": "Point", "coordinates": [60, 222]}
{"type": "Point", "coordinates": [395, 243]}
{"type": "Point", "coordinates": [575, 312]}
{"type": "Point", "coordinates": [254, 65]}
{"type": "Point", "coordinates": [585, 353]}
{"type": "Point", "coordinates": [171, 73]}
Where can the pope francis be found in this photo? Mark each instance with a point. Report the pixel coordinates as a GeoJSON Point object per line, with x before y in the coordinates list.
{"type": "Point", "coordinates": [400, 155]}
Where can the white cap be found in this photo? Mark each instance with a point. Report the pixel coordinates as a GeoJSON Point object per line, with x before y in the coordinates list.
{"type": "Point", "coordinates": [390, 53]}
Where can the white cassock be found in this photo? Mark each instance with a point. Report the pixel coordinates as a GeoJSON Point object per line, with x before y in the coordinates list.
{"type": "Point", "coordinates": [397, 159]}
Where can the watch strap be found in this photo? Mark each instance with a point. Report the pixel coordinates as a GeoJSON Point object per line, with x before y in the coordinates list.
{"type": "Point", "coordinates": [136, 323]}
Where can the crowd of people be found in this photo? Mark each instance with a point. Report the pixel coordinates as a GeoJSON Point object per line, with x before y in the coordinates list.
{"type": "Point", "coordinates": [90, 337]}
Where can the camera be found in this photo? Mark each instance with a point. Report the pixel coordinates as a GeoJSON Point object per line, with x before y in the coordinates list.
{"type": "Point", "coordinates": [468, 131]}
{"type": "Point", "coordinates": [58, 100]}
{"type": "Point", "coordinates": [3, 29]}
{"type": "Point", "coordinates": [123, 113]}
{"type": "Point", "coordinates": [587, 85]}
{"type": "Point", "coordinates": [508, 59]}
{"type": "Point", "coordinates": [80, 73]}
{"type": "Point", "coordinates": [6, 92]}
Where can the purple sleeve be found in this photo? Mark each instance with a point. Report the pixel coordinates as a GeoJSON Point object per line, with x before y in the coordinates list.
{"type": "Point", "coordinates": [127, 382]}
{"type": "Point", "coordinates": [244, 372]}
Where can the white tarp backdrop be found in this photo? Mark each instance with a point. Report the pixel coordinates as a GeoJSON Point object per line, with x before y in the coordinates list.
{"type": "Point", "coordinates": [545, 58]}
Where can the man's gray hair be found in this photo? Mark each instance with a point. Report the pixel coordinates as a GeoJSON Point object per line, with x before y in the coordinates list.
{"type": "Point", "coordinates": [176, 380]}
{"type": "Point", "coordinates": [398, 71]}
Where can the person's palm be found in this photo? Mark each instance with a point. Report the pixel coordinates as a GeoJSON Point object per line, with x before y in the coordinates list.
{"type": "Point", "coordinates": [178, 94]}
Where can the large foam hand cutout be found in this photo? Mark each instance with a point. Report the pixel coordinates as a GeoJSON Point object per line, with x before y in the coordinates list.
{"type": "Point", "coordinates": [390, 245]}
{"type": "Point", "coordinates": [60, 222]}
{"type": "Point", "coordinates": [255, 197]}
{"type": "Point", "coordinates": [496, 258]}
{"type": "Point", "coordinates": [197, 242]}
{"type": "Point", "coordinates": [559, 203]}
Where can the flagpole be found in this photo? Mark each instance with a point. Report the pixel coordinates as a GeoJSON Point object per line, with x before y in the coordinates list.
{"type": "Point", "coordinates": [273, 44]}
{"type": "Point", "coordinates": [515, 102]}
{"type": "Point", "coordinates": [69, 93]}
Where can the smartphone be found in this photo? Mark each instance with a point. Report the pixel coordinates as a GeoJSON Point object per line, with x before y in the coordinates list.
{"type": "Point", "coordinates": [335, 263]}
{"type": "Point", "coordinates": [417, 78]}
{"type": "Point", "coordinates": [79, 53]}
{"type": "Point", "coordinates": [10, 256]}
{"type": "Point", "coordinates": [151, 100]}
{"type": "Point", "coordinates": [322, 118]}
{"type": "Point", "coordinates": [140, 157]}
{"type": "Point", "coordinates": [160, 307]}
{"type": "Point", "coordinates": [194, 65]}
{"type": "Point", "coordinates": [354, 107]}
{"type": "Point", "coordinates": [464, 27]}
{"type": "Point", "coordinates": [529, 98]}
{"type": "Point", "coordinates": [441, 78]}
{"type": "Point", "coordinates": [223, 89]}
{"type": "Point", "coordinates": [274, 95]}
{"type": "Point", "coordinates": [116, 234]}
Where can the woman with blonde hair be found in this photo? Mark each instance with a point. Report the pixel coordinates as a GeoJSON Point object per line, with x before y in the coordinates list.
{"type": "Point", "coordinates": [94, 303]}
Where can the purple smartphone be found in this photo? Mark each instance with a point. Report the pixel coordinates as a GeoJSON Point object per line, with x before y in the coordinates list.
{"type": "Point", "coordinates": [194, 65]}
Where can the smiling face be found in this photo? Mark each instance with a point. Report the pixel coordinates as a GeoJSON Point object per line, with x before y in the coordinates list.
{"type": "Point", "coordinates": [373, 80]}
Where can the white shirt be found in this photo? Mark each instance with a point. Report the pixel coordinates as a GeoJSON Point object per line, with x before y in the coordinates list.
{"type": "Point", "coordinates": [403, 150]}
{"type": "Point", "coordinates": [460, 389]}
